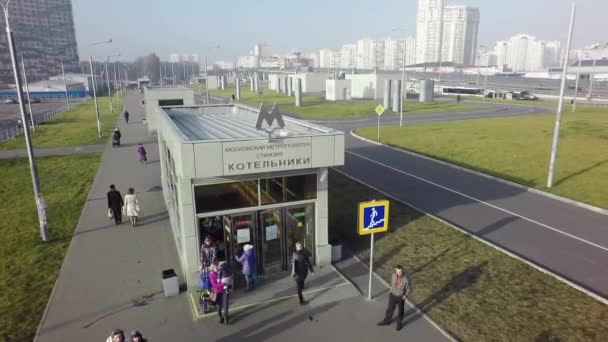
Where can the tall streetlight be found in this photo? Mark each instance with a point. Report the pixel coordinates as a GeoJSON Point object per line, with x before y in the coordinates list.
{"type": "Point", "coordinates": [560, 104]}
{"type": "Point", "coordinates": [206, 72]}
{"type": "Point", "coordinates": [27, 91]}
{"type": "Point", "coordinates": [107, 41]}
{"type": "Point", "coordinates": [402, 97]}
{"type": "Point", "coordinates": [40, 203]}
{"type": "Point", "coordinates": [578, 75]}
{"type": "Point", "coordinates": [108, 82]}
{"type": "Point", "coordinates": [65, 84]}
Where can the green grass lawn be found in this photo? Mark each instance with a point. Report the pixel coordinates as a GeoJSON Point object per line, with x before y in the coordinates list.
{"type": "Point", "coordinates": [317, 108]}
{"type": "Point", "coordinates": [472, 290]}
{"type": "Point", "coordinates": [75, 127]}
{"type": "Point", "coordinates": [30, 266]}
{"type": "Point", "coordinates": [518, 149]}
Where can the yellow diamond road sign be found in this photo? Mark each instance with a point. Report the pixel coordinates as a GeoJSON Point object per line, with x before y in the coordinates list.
{"type": "Point", "coordinates": [380, 110]}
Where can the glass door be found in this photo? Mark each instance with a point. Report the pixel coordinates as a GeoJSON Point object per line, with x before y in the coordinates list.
{"type": "Point", "coordinates": [244, 232]}
{"type": "Point", "coordinates": [271, 232]}
{"type": "Point", "coordinates": [299, 226]}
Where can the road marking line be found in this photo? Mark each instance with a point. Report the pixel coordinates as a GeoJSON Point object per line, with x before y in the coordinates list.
{"type": "Point", "coordinates": [199, 316]}
{"type": "Point", "coordinates": [484, 202]}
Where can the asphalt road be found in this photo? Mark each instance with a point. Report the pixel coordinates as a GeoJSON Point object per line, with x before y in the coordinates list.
{"type": "Point", "coordinates": [567, 240]}
{"type": "Point", "coordinates": [9, 113]}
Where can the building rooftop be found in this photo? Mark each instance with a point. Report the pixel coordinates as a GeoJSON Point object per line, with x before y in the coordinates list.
{"type": "Point", "coordinates": [233, 122]}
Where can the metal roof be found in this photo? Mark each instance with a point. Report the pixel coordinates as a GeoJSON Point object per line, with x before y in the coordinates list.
{"type": "Point", "coordinates": [233, 122]}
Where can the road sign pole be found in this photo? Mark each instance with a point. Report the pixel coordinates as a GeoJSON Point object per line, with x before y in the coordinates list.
{"type": "Point", "coordinates": [378, 128]}
{"type": "Point", "coordinates": [371, 266]}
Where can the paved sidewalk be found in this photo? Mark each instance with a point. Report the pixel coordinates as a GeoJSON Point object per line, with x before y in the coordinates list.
{"type": "Point", "coordinates": [111, 277]}
{"type": "Point", "coordinates": [57, 151]}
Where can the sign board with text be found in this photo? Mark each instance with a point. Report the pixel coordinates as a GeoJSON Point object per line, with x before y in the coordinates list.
{"type": "Point", "coordinates": [258, 156]}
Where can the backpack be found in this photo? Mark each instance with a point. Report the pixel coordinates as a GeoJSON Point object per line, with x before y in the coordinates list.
{"type": "Point", "coordinates": [204, 283]}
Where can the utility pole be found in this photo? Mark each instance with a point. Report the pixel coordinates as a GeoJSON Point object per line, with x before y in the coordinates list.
{"type": "Point", "coordinates": [29, 101]}
{"type": "Point", "coordinates": [403, 87]}
{"type": "Point", "coordinates": [578, 75]}
{"type": "Point", "coordinates": [109, 89]}
{"type": "Point", "coordinates": [40, 203]}
{"type": "Point", "coordinates": [95, 97]}
{"type": "Point", "coordinates": [591, 80]}
{"type": "Point", "coordinates": [560, 104]}
{"type": "Point", "coordinates": [65, 84]}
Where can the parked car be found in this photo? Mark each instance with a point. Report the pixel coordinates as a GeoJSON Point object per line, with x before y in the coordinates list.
{"type": "Point", "coordinates": [10, 101]}
{"type": "Point", "coordinates": [33, 99]}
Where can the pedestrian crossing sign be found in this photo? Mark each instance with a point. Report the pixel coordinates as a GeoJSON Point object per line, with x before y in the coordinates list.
{"type": "Point", "coordinates": [373, 217]}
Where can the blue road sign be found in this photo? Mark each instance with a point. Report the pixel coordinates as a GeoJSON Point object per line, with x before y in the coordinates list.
{"type": "Point", "coordinates": [373, 217]}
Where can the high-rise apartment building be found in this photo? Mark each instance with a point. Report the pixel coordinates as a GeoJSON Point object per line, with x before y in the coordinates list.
{"type": "Point", "coordinates": [262, 50]}
{"type": "Point", "coordinates": [523, 52]}
{"type": "Point", "coordinates": [370, 53]}
{"type": "Point", "coordinates": [44, 35]}
{"type": "Point", "coordinates": [429, 28]}
{"type": "Point", "coordinates": [396, 49]}
{"type": "Point", "coordinates": [348, 56]}
{"type": "Point", "coordinates": [460, 32]}
{"type": "Point", "coordinates": [553, 54]}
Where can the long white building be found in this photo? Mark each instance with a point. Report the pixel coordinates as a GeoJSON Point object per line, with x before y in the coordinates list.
{"type": "Point", "coordinates": [429, 28]}
{"type": "Point", "coordinates": [460, 32]}
{"type": "Point", "coordinates": [523, 52]}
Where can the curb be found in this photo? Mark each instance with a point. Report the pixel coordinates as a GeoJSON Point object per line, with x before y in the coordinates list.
{"type": "Point", "coordinates": [485, 175]}
{"type": "Point", "coordinates": [488, 243]}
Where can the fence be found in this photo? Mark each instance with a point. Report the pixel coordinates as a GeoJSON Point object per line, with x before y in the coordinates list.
{"type": "Point", "coordinates": [9, 133]}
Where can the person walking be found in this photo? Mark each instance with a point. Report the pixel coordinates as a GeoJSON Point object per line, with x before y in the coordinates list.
{"type": "Point", "coordinates": [208, 253]}
{"type": "Point", "coordinates": [221, 291]}
{"type": "Point", "coordinates": [131, 206]}
{"type": "Point", "coordinates": [126, 115]}
{"type": "Point", "coordinates": [136, 336]}
{"type": "Point", "coordinates": [116, 336]}
{"type": "Point", "coordinates": [401, 288]}
{"type": "Point", "coordinates": [247, 260]}
{"type": "Point", "coordinates": [115, 204]}
{"type": "Point", "coordinates": [141, 153]}
{"type": "Point", "coordinates": [300, 265]}
{"type": "Point", "coordinates": [233, 98]}
{"type": "Point", "coordinates": [458, 98]}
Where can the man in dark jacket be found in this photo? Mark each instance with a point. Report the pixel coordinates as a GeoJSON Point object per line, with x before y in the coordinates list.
{"type": "Point", "coordinates": [401, 288]}
{"type": "Point", "coordinates": [300, 265]}
{"type": "Point", "coordinates": [126, 114]}
{"type": "Point", "coordinates": [115, 204]}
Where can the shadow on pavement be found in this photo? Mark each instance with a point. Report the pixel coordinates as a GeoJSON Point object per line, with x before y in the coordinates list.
{"type": "Point", "coordinates": [459, 282]}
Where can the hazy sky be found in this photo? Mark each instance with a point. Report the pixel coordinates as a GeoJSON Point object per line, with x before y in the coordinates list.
{"type": "Point", "coordinates": [139, 27]}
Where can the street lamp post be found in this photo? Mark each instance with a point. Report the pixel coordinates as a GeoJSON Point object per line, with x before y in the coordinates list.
{"type": "Point", "coordinates": [27, 90]}
{"type": "Point", "coordinates": [578, 75]}
{"type": "Point", "coordinates": [95, 97]}
{"type": "Point", "coordinates": [108, 82]}
{"type": "Point", "coordinates": [40, 203]}
{"type": "Point", "coordinates": [65, 84]}
{"type": "Point", "coordinates": [403, 86]}
{"type": "Point", "coordinates": [591, 80]}
{"type": "Point", "coordinates": [560, 104]}
{"type": "Point", "coordinates": [108, 41]}
{"type": "Point", "coordinates": [206, 72]}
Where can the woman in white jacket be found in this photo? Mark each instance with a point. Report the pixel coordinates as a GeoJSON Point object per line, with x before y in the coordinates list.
{"type": "Point", "coordinates": [131, 206]}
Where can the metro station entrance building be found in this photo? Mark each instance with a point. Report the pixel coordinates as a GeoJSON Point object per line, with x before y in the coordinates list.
{"type": "Point", "coordinates": [223, 177]}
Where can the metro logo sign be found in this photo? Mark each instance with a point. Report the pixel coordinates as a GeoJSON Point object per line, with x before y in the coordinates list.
{"type": "Point", "coordinates": [270, 118]}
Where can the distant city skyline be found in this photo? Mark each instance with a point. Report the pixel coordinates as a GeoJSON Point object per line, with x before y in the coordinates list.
{"type": "Point", "coordinates": [142, 27]}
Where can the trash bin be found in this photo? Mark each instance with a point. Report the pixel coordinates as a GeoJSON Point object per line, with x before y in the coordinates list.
{"type": "Point", "coordinates": [170, 284]}
{"type": "Point", "coordinates": [336, 251]}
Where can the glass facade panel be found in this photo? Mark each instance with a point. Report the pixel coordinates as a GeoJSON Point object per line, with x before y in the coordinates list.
{"type": "Point", "coordinates": [226, 196]}
{"type": "Point", "coordinates": [288, 189]}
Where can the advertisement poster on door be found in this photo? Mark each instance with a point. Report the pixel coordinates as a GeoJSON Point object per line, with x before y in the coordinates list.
{"type": "Point", "coordinates": [243, 235]}
{"type": "Point", "coordinates": [272, 232]}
